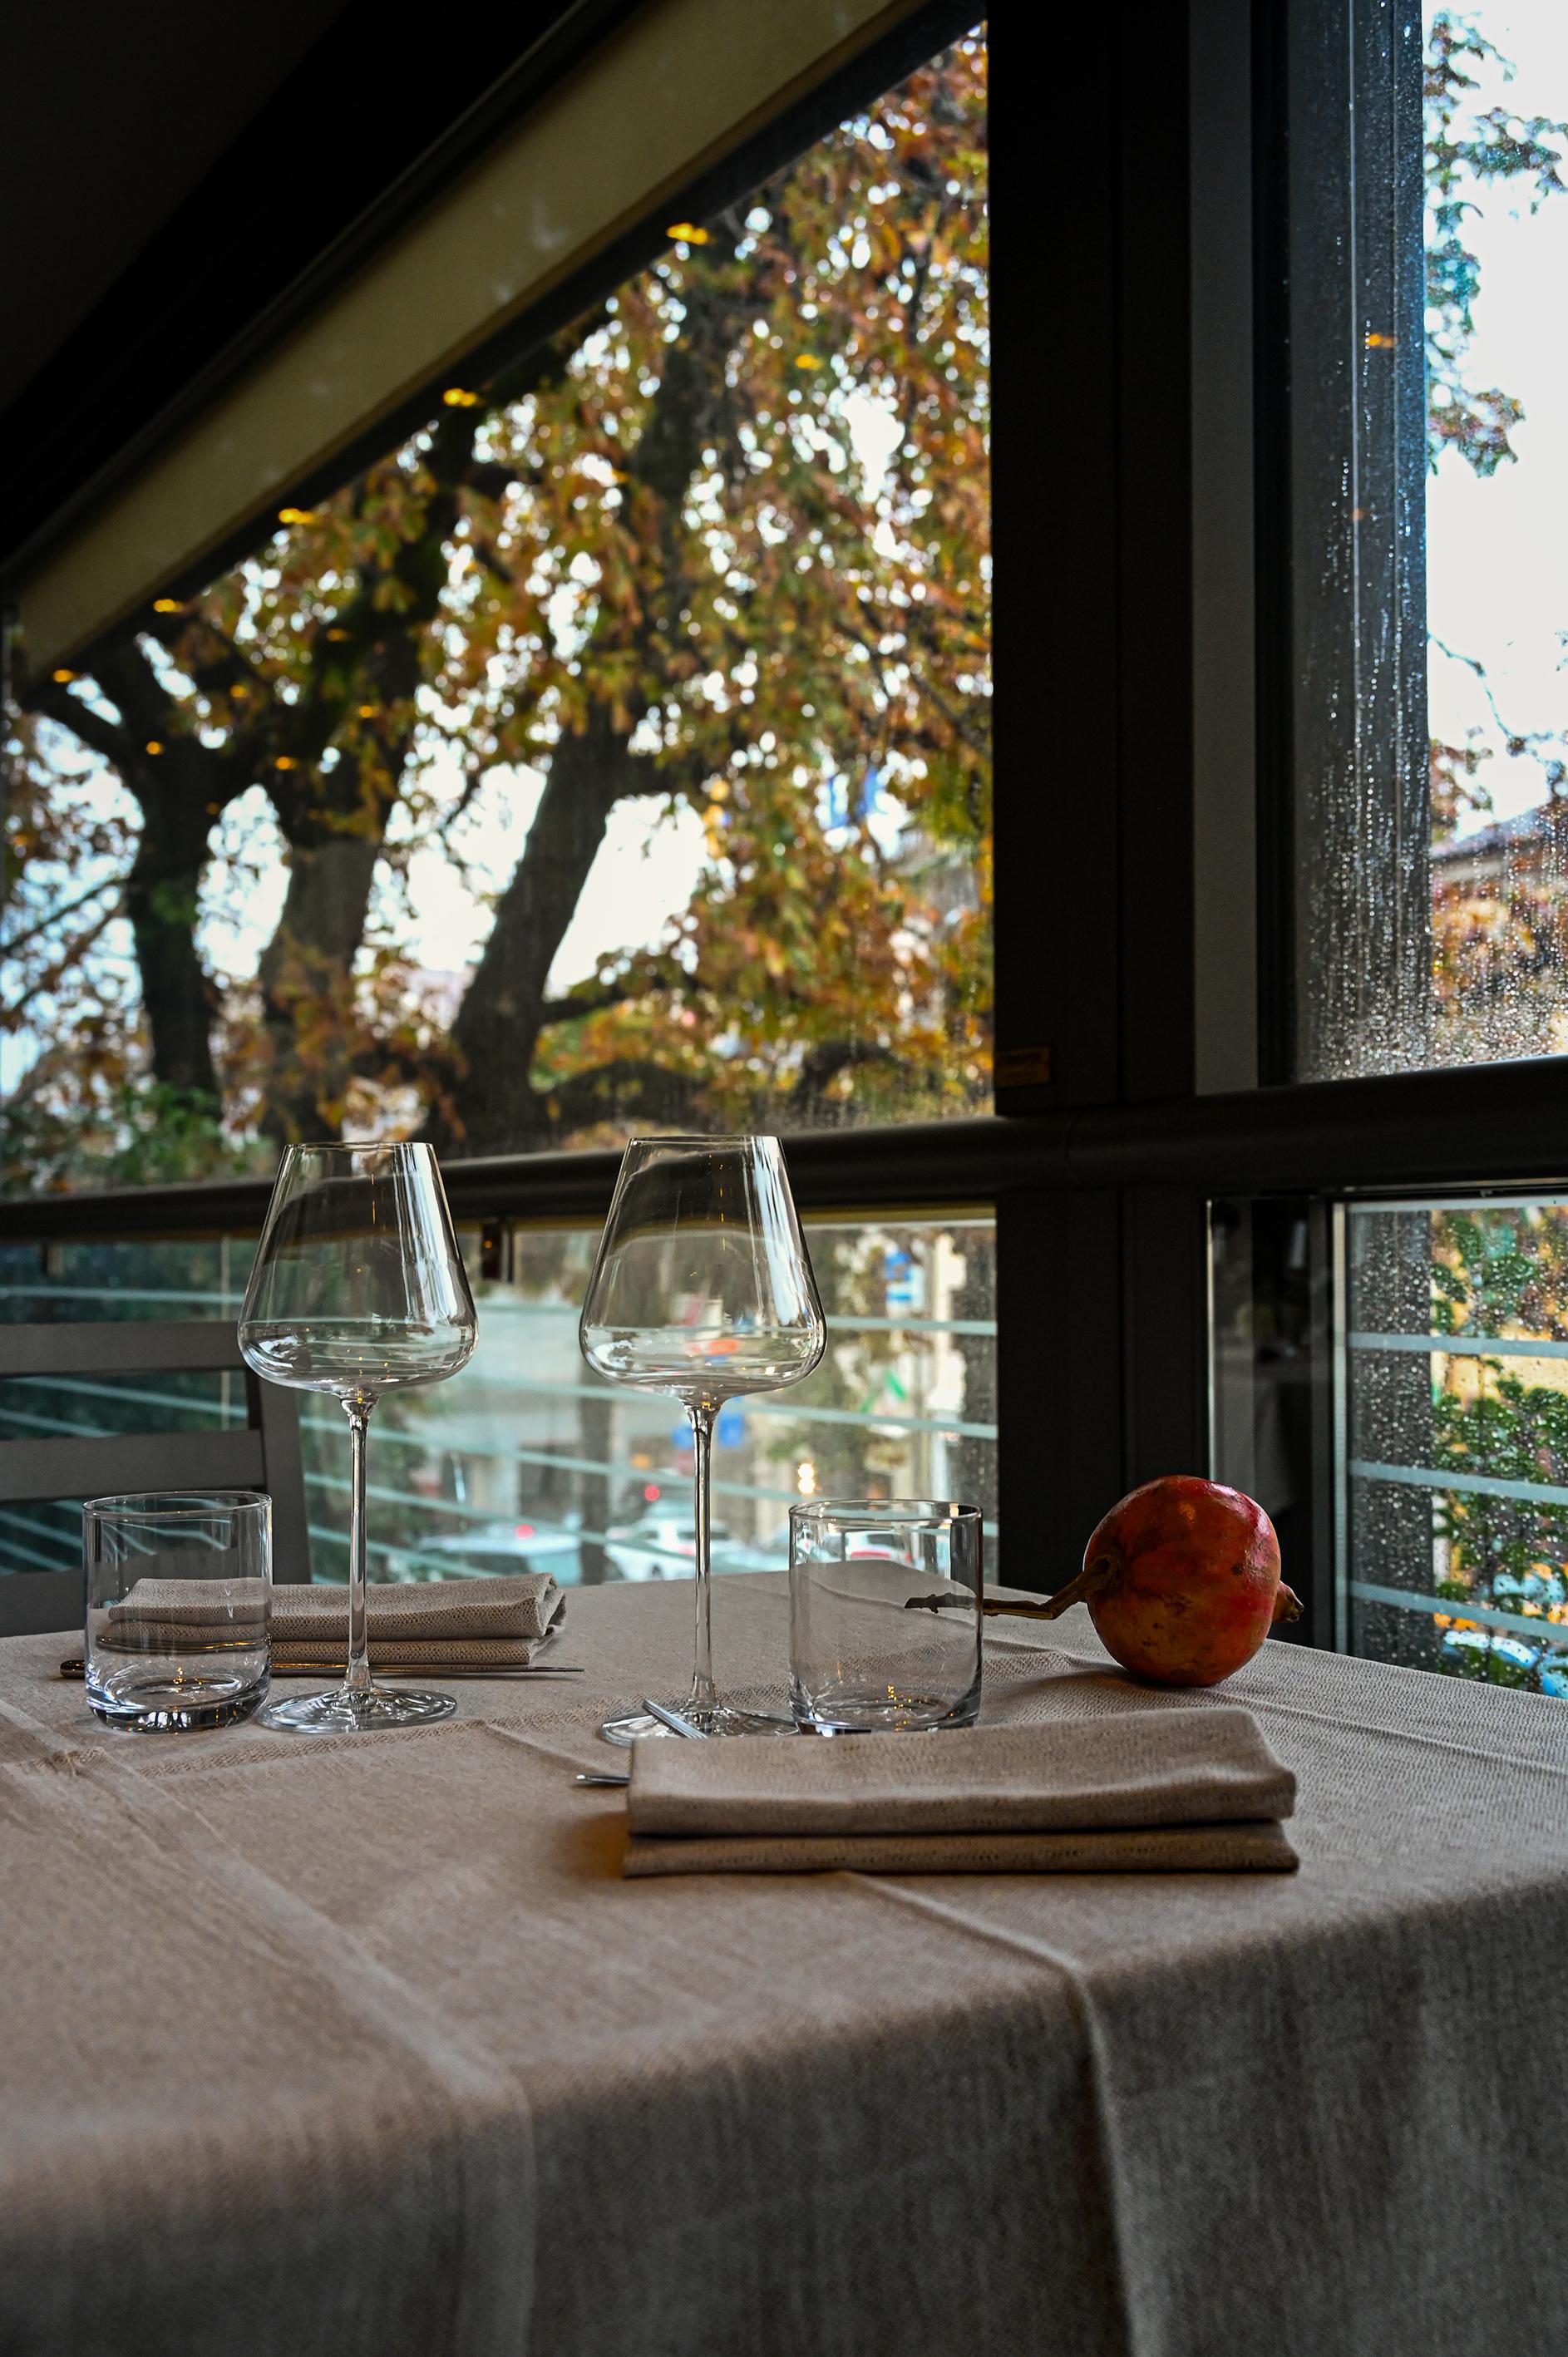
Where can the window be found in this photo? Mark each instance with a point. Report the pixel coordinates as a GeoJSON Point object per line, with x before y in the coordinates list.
{"type": "Point", "coordinates": [1496, 147]}
{"type": "Point", "coordinates": [1385, 1372]}
{"type": "Point", "coordinates": [1459, 1439]}
{"type": "Point", "coordinates": [1429, 210]}
{"type": "Point", "coordinates": [1197, 1273]}
{"type": "Point", "coordinates": [612, 753]}
{"type": "Point", "coordinates": [527, 1461]}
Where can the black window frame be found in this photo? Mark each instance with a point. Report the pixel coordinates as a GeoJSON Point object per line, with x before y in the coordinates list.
{"type": "Point", "coordinates": [1105, 1149]}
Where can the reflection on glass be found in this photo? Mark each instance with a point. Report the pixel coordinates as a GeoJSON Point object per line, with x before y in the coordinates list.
{"type": "Point", "coordinates": [525, 1460]}
{"type": "Point", "coordinates": [1456, 1427]}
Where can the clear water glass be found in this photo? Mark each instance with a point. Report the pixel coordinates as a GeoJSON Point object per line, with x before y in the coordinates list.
{"type": "Point", "coordinates": [357, 1289]}
{"type": "Point", "coordinates": [702, 1288]}
{"type": "Point", "coordinates": [885, 1618]}
{"type": "Point", "coordinates": [178, 1601]}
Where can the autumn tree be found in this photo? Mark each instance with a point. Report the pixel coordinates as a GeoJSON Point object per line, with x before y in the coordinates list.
{"type": "Point", "coordinates": [646, 560]}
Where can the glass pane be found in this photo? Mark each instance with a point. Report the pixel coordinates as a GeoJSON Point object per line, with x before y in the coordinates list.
{"type": "Point", "coordinates": [65, 1281]}
{"type": "Point", "coordinates": [525, 1460]}
{"type": "Point", "coordinates": [1496, 592]}
{"type": "Point", "coordinates": [72, 1283]}
{"type": "Point", "coordinates": [1431, 423]}
{"type": "Point", "coordinates": [1269, 1375]}
{"type": "Point", "coordinates": [614, 754]}
{"type": "Point", "coordinates": [1456, 1456]}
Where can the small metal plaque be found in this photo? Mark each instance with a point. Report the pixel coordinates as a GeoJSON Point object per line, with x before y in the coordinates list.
{"type": "Point", "coordinates": [1023, 1068]}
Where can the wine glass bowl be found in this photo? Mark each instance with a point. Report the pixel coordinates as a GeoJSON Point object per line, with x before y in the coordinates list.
{"type": "Point", "coordinates": [357, 1289]}
{"type": "Point", "coordinates": [354, 1358]}
{"type": "Point", "coordinates": [702, 1289]}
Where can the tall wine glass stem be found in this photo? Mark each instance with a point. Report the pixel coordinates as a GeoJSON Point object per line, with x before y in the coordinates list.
{"type": "Point", "coordinates": [358, 1703]}
{"type": "Point", "coordinates": [357, 1677]}
{"type": "Point", "coordinates": [704, 1695]}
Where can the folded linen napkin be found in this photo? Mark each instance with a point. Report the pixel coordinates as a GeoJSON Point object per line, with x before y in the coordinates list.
{"type": "Point", "coordinates": [1155, 1791]}
{"type": "Point", "coordinates": [493, 1624]}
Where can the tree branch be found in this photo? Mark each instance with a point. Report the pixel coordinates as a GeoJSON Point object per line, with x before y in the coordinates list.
{"type": "Point", "coordinates": [544, 365]}
{"type": "Point", "coordinates": [57, 704]}
{"type": "Point", "coordinates": [1519, 740]}
{"type": "Point", "coordinates": [622, 1089]}
{"type": "Point", "coordinates": [567, 1010]}
{"type": "Point", "coordinates": [829, 1058]}
{"type": "Point", "coordinates": [489, 479]}
{"type": "Point", "coordinates": [913, 307]}
{"type": "Point", "coordinates": [66, 909]}
{"type": "Point", "coordinates": [70, 957]}
{"type": "Point", "coordinates": [129, 681]}
{"type": "Point", "coordinates": [231, 664]}
{"type": "Point", "coordinates": [391, 1059]}
{"type": "Point", "coordinates": [963, 728]}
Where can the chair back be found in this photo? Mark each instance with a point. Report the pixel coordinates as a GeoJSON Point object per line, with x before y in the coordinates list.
{"type": "Point", "coordinates": [262, 1454]}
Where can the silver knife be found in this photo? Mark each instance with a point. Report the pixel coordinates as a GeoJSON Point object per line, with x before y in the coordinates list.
{"type": "Point", "coordinates": [673, 1719]}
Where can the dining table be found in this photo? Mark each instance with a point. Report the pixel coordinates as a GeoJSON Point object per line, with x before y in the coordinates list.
{"type": "Point", "coordinates": [364, 2044]}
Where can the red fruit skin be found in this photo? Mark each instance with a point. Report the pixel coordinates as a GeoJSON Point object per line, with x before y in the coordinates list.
{"type": "Point", "coordinates": [1194, 1581]}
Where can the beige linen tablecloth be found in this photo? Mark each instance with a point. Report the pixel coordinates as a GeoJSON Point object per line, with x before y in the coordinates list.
{"type": "Point", "coordinates": [365, 2046]}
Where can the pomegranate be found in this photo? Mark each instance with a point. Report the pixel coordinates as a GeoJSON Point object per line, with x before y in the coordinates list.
{"type": "Point", "coordinates": [1182, 1580]}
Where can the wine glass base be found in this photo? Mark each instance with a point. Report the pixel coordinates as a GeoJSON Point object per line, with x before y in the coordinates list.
{"type": "Point", "coordinates": [344, 1710]}
{"type": "Point", "coordinates": [722, 1718]}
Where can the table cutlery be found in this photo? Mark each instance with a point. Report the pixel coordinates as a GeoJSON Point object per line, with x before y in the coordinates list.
{"type": "Point", "coordinates": [610, 1776]}
{"type": "Point", "coordinates": [673, 1720]}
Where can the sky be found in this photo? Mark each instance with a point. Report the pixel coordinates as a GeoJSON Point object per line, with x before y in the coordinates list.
{"type": "Point", "coordinates": [1497, 552]}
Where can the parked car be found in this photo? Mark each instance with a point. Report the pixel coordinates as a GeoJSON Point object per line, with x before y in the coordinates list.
{"type": "Point", "coordinates": [497, 1547]}
{"type": "Point", "coordinates": [663, 1546]}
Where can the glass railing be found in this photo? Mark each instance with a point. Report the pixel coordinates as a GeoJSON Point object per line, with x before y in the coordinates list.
{"type": "Point", "coordinates": [1390, 1379]}
{"type": "Point", "coordinates": [525, 1459]}
{"type": "Point", "coordinates": [1454, 1461]}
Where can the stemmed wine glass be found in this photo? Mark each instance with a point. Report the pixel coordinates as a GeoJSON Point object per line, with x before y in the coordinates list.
{"type": "Point", "coordinates": [702, 1288]}
{"type": "Point", "coordinates": [359, 1288]}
